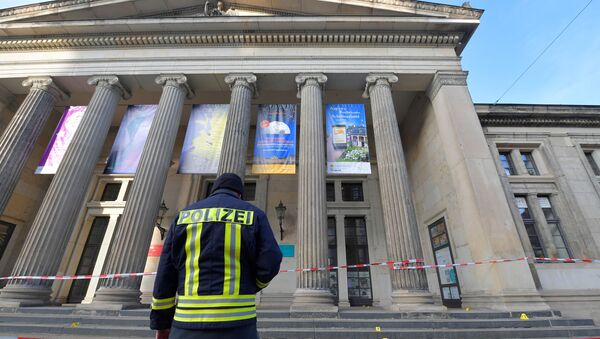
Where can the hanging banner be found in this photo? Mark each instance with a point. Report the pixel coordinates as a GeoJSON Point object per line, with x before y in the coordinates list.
{"type": "Point", "coordinates": [347, 144]}
{"type": "Point", "coordinates": [129, 143]}
{"type": "Point", "coordinates": [203, 139]}
{"type": "Point", "coordinates": [63, 134]}
{"type": "Point", "coordinates": [275, 146]}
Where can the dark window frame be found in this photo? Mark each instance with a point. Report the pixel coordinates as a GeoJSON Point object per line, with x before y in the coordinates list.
{"type": "Point", "coordinates": [108, 194]}
{"type": "Point", "coordinates": [531, 228]}
{"type": "Point", "coordinates": [509, 169]}
{"type": "Point", "coordinates": [350, 194]}
{"type": "Point", "coordinates": [592, 162]}
{"type": "Point", "coordinates": [527, 158]}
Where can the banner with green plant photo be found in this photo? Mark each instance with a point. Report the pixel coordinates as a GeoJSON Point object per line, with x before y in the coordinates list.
{"type": "Point", "coordinates": [347, 142]}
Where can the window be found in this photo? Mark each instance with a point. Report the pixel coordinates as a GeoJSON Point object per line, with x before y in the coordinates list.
{"type": "Point", "coordinates": [357, 252]}
{"type": "Point", "coordinates": [330, 191]}
{"type": "Point", "coordinates": [527, 158]}
{"type": "Point", "coordinates": [507, 163]}
{"type": "Point", "coordinates": [352, 191]}
{"type": "Point", "coordinates": [6, 231]}
{"type": "Point", "coordinates": [250, 191]}
{"type": "Point", "coordinates": [554, 226]}
{"type": "Point", "coordinates": [593, 164]}
{"type": "Point", "coordinates": [529, 221]}
{"type": "Point", "coordinates": [111, 191]}
{"type": "Point", "coordinates": [332, 255]}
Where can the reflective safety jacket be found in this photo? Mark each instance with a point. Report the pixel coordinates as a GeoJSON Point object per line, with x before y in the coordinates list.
{"type": "Point", "coordinates": [218, 253]}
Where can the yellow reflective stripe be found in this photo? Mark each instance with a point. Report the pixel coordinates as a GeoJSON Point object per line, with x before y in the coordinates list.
{"type": "Point", "coordinates": [261, 284]}
{"type": "Point", "coordinates": [192, 254]}
{"type": "Point", "coordinates": [163, 304]}
{"type": "Point", "coordinates": [227, 264]}
{"type": "Point", "coordinates": [214, 315]}
{"type": "Point", "coordinates": [217, 214]}
{"type": "Point", "coordinates": [163, 307]}
{"type": "Point", "coordinates": [197, 259]}
{"type": "Point", "coordinates": [238, 251]}
{"type": "Point", "coordinates": [165, 300]}
{"type": "Point", "coordinates": [215, 297]}
{"type": "Point", "coordinates": [197, 304]}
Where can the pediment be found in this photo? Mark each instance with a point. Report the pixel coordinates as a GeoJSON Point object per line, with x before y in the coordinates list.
{"type": "Point", "coordinates": [62, 10]}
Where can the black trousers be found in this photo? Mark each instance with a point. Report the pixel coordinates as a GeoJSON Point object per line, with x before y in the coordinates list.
{"type": "Point", "coordinates": [244, 332]}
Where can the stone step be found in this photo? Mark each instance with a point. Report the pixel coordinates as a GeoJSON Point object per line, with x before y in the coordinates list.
{"type": "Point", "coordinates": [138, 321]}
{"type": "Point", "coordinates": [69, 319]}
{"type": "Point", "coordinates": [58, 331]}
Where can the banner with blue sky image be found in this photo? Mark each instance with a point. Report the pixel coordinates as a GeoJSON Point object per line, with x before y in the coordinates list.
{"type": "Point", "coordinates": [275, 145]}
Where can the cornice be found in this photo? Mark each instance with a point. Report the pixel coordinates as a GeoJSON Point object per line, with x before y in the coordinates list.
{"type": "Point", "coordinates": [538, 121]}
{"type": "Point", "coordinates": [518, 115]}
{"type": "Point", "coordinates": [400, 4]}
{"type": "Point", "coordinates": [444, 78]}
{"type": "Point", "coordinates": [233, 39]}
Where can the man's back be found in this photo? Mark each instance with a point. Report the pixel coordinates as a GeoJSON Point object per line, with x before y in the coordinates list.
{"type": "Point", "coordinates": [218, 253]}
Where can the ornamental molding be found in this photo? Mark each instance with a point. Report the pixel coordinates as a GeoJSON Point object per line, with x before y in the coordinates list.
{"type": "Point", "coordinates": [175, 80]}
{"type": "Point", "coordinates": [46, 84]}
{"type": "Point", "coordinates": [458, 78]}
{"type": "Point", "coordinates": [542, 120]}
{"type": "Point", "coordinates": [309, 79]}
{"type": "Point", "coordinates": [111, 82]}
{"type": "Point", "coordinates": [401, 4]}
{"type": "Point", "coordinates": [378, 79]}
{"type": "Point", "coordinates": [247, 80]}
{"type": "Point", "coordinates": [232, 39]}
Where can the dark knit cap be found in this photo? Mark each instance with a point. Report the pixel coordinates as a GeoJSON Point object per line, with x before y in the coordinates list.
{"type": "Point", "coordinates": [230, 181]}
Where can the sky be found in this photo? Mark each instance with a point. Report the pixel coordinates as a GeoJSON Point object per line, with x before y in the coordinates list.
{"type": "Point", "coordinates": [511, 35]}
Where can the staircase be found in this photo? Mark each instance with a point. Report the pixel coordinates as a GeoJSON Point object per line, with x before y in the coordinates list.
{"type": "Point", "coordinates": [70, 322]}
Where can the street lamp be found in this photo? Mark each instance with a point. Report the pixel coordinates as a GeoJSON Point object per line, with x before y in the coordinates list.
{"type": "Point", "coordinates": [162, 210]}
{"type": "Point", "coordinates": [280, 209]}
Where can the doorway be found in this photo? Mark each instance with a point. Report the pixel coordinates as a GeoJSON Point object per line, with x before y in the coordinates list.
{"type": "Point", "coordinates": [88, 259]}
{"type": "Point", "coordinates": [357, 252]}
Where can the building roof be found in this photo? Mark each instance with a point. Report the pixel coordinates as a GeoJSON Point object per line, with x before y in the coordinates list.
{"type": "Point", "coordinates": [527, 115]}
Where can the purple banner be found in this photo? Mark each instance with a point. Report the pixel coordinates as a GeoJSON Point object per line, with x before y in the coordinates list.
{"type": "Point", "coordinates": [129, 143]}
{"type": "Point", "coordinates": [63, 134]}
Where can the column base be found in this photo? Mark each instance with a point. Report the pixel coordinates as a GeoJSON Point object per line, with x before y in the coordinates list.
{"type": "Point", "coordinates": [517, 301]}
{"type": "Point", "coordinates": [414, 301]}
{"type": "Point", "coordinates": [313, 303]}
{"type": "Point", "coordinates": [25, 295]}
{"type": "Point", "coordinates": [115, 299]}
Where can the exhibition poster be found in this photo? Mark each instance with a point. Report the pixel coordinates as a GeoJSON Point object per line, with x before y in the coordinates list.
{"type": "Point", "coordinates": [203, 139]}
{"type": "Point", "coordinates": [275, 146]}
{"type": "Point", "coordinates": [131, 137]}
{"type": "Point", "coordinates": [347, 142]}
{"type": "Point", "coordinates": [63, 134]}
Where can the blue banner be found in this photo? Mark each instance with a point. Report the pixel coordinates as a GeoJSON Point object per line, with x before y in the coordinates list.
{"type": "Point", "coordinates": [275, 146]}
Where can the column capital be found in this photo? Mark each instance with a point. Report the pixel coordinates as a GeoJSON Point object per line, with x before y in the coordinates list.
{"type": "Point", "coordinates": [46, 84]}
{"type": "Point", "coordinates": [446, 78]}
{"type": "Point", "coordinates": [377, 79]}
{"type": "Point", "coordinates": [242, 79]}
{"type": "Point", "coordinates": [314, 79]}
{"type": "Point", "coordinates": [175, 80]}
{"type": "Point", "coordinates": [110, 81]}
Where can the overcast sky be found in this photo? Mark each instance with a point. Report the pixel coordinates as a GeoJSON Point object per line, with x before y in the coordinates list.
{"type": "Point", "coordinates": [512, 33]}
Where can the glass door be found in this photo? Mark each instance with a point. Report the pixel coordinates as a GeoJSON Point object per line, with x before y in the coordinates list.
{"type": "Point", "coordinates": [88, 259]}
{"type": "Point", "coordinates": [332, 257]}
{"type": "Point", "coordinates": [357, 252]}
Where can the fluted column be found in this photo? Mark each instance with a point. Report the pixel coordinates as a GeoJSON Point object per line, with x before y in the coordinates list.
{"type": "Point", "coordinates": [129, 248]}
{"type": "Point", "coordinates": [312, 293]}
{"type": "Point", "coordinates": [22, 132]}
{"type": "Point", "coordinates": [56, 217]}
{"type": "Point", "coordinates": [235, 140]}
{"type": "Point", "coordinates": [409, 287]}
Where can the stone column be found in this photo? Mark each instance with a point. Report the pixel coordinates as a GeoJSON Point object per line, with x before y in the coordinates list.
{"type": "Point", "coordinates": [409, 287]}
{"type": "Point", "coordinates": [56, 217]}
{"type": "Point", "coordinates": [235, 141]}
{"type": "Point", "coordinates": [312, 293]}
{"type": "Point", "coordinates": [22, 132]}
{"type": "Point", "coordinates": [129, 248]}
{"type": "Point", "coordinates": [479, 219]}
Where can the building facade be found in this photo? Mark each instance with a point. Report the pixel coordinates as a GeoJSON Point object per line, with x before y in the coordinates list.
{"type": "Point", "coordinates": [450, 181]}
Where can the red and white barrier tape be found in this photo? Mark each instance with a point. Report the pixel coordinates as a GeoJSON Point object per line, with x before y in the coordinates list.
{"type": "Point", "coordinates": [410, 264]}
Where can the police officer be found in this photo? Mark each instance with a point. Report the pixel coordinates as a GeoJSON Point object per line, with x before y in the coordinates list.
{"type": "Point", "coordinates": [219, 252]}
